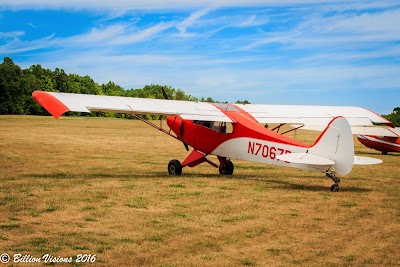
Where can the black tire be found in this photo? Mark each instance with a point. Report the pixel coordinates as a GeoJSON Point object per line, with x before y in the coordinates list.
{"type": "Point", "coordinates": [174, 167]}
{"type": "Point", "coordinates": [226, 168]}
{"type": "Point", "coordinates": [384, 152]}
{"type": "Point", "coordinates": [335, 188]}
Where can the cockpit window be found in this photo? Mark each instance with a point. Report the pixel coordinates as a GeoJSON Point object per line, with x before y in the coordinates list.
{"type": "Point", "coordinates": [220, 127]}
{"type": "Point", "coordinates": [226, 107]}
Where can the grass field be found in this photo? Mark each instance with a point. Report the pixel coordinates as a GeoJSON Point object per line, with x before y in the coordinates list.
{"type": "Point", "coordinates": [100, 186]}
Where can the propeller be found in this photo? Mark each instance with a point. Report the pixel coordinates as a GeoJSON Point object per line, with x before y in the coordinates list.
{"type": "Point", "coordinates": [164, 93]}
{"type": "Point", "coordinates": [181, 129]}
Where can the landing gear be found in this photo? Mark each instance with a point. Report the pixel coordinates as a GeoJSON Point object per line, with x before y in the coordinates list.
{"type": "Point", "coordinates": [226, 168]}
{"type": "Point", "coordinates": [174, 167]}
{"type": "Point", "coordinates": [335, 186]}
{"type": "Point", "coordinates": [195, 158]}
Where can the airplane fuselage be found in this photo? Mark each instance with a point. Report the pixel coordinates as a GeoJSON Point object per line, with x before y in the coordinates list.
{"type": "Point", "coordinates": [245, 140]}
{"type": "Point", "coordinates": [383, 144]}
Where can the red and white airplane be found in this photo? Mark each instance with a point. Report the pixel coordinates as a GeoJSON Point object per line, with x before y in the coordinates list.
{"type": "Point", "coordinates": [385, 142]}
{"type": "Point", "coordinates": [203, 126]}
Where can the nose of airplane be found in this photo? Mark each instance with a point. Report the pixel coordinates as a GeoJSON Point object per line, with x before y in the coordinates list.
{"type": "Point", "coordinates": [170, 121]}
{"type": "Point", "coordinates": [175, 124]}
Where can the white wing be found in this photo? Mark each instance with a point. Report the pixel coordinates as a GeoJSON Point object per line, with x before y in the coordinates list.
{"type": "Point", "coordinates": [376, 131]}
{"type": "Point", "coordinates": [312, 115]}
{"type": "Point", "coordinates": [59, 103]}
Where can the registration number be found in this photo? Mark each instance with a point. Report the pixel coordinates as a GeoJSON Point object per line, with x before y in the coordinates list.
{"type": "Point", "coordinates": [265, 151]}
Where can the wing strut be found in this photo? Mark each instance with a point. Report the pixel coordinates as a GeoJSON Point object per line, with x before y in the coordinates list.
{"type": "Point", "coordinates": [155, 126]}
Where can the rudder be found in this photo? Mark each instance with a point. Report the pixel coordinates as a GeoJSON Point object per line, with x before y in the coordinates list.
{"type": "Point", "coordinates": [336, 143]}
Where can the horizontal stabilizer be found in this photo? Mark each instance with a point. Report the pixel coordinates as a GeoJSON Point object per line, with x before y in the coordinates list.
{"type": "Point", "coordinates": [366, 160]}
{"type": "Point", "coordinates": [305, 158]}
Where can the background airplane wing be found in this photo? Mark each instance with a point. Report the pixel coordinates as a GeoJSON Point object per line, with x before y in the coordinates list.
{"type": "Point", "coordinates": [376, 131]}
{"type": "Point", "coordinates": [396, 131]}
{"type": "Point", "coordinates": [59, 103]}
{"type": "Point", "coordinates": [312, 115]}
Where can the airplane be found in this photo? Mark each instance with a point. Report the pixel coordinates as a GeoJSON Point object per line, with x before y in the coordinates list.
{"type": "Point", "coordinates": [388, 142]}
{"type": "Point", "coordinates": [204, 127]}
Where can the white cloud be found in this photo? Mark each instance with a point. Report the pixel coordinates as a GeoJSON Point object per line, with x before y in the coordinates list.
{"type": "Point", "coordinates": [253, 21]}
{"type": "Point", "coordinates": [142, 35]}
{"type": "Point", "coordinates": [11, 35]}
{"type": "Point", "coordinates": [121, 5]}
{"type": "Point", "coordinates": [321, 31]}
{"type": "Point", "coordinates": [192, 19]}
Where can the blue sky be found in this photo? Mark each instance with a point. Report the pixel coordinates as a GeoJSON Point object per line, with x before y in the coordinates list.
{"type": "Point", "coordinates": [268, 52]}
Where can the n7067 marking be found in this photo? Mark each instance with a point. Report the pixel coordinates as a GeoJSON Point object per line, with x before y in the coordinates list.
{"type": "Point", "coordinates": [265, 151]}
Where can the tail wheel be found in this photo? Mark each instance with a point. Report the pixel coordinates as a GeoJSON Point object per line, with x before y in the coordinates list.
{"type": "Point", "coordinates": [226, 168]}
{"type": "Point", "coordinates": [335, 187]}
{"type": "Point", "coordinates": [174, 167]}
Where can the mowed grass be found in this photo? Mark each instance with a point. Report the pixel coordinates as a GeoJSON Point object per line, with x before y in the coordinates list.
{"type": "Point", "coordinates": [100, 186]}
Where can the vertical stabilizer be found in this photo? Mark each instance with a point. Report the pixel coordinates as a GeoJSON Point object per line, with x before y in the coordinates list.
{"type": "Point", "coordinates": [336, 143]}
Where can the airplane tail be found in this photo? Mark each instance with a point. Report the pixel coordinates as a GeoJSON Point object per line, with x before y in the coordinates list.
{"type": "Point", "coordinates": [333, 151]}
{"type": "Point", "coordinates": [336, 144]}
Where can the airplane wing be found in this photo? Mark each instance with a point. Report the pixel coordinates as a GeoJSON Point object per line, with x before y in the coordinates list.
{"type": "Point", "coordinates": [396, 131]}
{"type": "Point", "coordinates": [59, 103]}
{"type": "Point", "coordinates": [376, 131]}
{"type": "Point", "coordinates": [312, 115]}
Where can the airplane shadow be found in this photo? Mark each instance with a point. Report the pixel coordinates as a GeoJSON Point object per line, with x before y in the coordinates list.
{"type": "Point", "coordinates": [315, 188]}
{"type": "Point", "coordinates": [374, 154]}
{"type": "Point", "coordinates": [273, 183]}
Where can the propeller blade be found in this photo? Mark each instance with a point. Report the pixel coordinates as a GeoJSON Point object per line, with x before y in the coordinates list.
{"type": "Point", "coordinates": [181, 133]}
{"type": "Point", "coordinates": [164, 93]}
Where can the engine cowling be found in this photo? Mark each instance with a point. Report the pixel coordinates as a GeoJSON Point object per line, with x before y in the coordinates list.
{"type": "Point", "coordinates": [175, 123]}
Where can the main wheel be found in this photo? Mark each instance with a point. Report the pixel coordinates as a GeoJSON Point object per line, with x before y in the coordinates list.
{"type": "Point", "coordinates": [174, 167]}
{"type": "Point", "coordinates": [335, 188]}
{"type": "Point", "coordinates": [226, 168]}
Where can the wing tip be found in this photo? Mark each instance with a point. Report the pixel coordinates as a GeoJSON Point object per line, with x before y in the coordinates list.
{"type": "Point", "coordinates": [54, 106]}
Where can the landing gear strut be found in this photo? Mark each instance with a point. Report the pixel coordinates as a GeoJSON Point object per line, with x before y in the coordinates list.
{"type": "Point", "coordinates": [335, 186]}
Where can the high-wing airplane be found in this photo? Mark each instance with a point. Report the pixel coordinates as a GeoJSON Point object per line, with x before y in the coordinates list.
{"type": "Point", "coordinates": [387, 142]}
{"type": "Point", "coordinates": [204, 127]}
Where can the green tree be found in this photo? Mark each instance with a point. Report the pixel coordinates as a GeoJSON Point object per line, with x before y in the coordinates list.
{"type": "Point", "coordinates": [60, 80]}
{"type": "Point", "coordinates": [112, 89]}
{"type": "Point", "coordinates": [242, 102]}
{"type": "Point", "coordinates": [394, 117]}
{"type": "Point", "coordinates": [11, 92]}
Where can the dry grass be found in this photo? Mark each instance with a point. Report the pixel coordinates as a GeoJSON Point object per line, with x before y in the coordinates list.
{"type": "Point", "coordinates": [99, 186]}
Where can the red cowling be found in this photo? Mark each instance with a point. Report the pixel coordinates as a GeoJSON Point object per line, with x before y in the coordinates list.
{"type": "Point", "coordinates": [175, 124]}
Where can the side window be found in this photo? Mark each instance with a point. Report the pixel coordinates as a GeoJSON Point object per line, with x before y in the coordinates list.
{"type": "Point", "coordinates": [220, 127]}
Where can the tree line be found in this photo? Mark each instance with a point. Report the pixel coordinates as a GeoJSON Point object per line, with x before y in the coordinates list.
{"type": "Point", "coordinates": [17, 85]}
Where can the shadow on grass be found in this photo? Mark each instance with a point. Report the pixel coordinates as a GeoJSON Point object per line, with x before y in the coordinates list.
{"type": "Point", "coordinates": [316, 188]}
{"type": "Point", "coordinates": [96, 175]}
{"type": "Point", "coordinates": [273, 183]}
{"type": "Point", "coordinates": [374, 154]}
